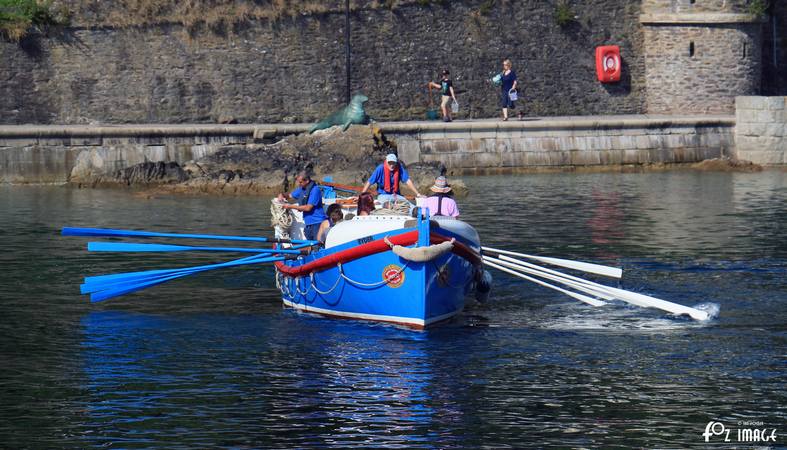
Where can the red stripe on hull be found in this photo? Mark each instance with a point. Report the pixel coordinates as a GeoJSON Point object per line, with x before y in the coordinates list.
{"type": "Point", "coordinates": [370, 248]}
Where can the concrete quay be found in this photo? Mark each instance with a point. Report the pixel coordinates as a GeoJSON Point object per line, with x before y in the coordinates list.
{"type": "Point", "coordinates": [53, 153]}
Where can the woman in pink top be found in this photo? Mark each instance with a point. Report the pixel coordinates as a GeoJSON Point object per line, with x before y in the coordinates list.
{"type": "Point", "coordinates": [441, 202]}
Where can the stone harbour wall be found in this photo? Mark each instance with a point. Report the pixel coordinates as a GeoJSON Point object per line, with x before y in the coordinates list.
{"type": "Point", "coordinates": [761, 130]}
{"type": "Point", "coordinates": [47, 154]}
{"type": "Point", "coordinates": [489, 147]}
{"type": "Point", "coordinates": [293, 69]}
{"type": "Point", "coordinates": [59, 154]}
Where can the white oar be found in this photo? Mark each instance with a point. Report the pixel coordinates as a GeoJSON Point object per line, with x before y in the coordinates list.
{"type": "Point", "coordinates": [580, 297]}
{"type": "Point", "coordinates": [555, 276]}
{"type": "Point", "coordinates": [537, 270]}
{"type": "Point", "coordinates": [598, 269]}
{"type": "Point", "coordinates": [642, 300]}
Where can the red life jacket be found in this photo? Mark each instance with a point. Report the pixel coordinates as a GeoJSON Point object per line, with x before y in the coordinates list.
{"type": "Point", "coordinates": [387, 177]}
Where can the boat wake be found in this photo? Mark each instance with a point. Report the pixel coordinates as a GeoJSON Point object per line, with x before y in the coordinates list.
{"type": "Point", "coordinates": [623, 320]}
{"type": "Point", "coordinates": [711, 308]}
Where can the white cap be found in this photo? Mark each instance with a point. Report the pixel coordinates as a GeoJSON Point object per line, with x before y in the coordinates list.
{"type": "Point", "coordinates": [390, 158]}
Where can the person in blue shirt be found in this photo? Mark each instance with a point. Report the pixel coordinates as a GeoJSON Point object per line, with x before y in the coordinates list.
{"type": "Point", "coordinates": [388, 176]}
{"type": "Point", "coordinates": [309, 198]}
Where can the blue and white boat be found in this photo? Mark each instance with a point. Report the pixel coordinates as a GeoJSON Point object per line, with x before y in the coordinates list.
{"type": "Point", "coordinates": [413, 272]}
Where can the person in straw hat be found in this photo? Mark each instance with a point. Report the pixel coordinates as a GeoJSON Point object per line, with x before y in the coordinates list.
{"type": "Point", "coordinates": [441, 202]}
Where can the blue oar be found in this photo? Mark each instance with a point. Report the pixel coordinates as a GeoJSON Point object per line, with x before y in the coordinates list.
{"type": "Point", "coordinates": [135, 276]}
{"type": "Point", "coordinates": [107, 232]}
{"type": "Point", "coordinates": [100, 292]}
{"type": "Point", "coordinates": [101, 282]}
{"type": "Point", "coordinates": [134, 247]}
{"type": "Point", "coordinates": [127, 288]}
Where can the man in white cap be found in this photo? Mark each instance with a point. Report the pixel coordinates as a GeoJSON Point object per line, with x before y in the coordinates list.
{"type": "Point", "coordinates": [387, 176]}
{"type": "Point", "coordinates": [441, 202]}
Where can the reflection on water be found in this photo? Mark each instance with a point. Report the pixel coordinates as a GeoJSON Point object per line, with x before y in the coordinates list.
{"type": "Point", "coordinates": [214, 360]}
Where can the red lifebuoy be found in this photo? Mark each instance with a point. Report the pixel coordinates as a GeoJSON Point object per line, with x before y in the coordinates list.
{"type": "Point", "coordinates": [608, 63]}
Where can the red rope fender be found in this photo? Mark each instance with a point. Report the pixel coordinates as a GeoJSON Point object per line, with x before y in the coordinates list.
{"type": "Point", "coordinates": [370, 248]}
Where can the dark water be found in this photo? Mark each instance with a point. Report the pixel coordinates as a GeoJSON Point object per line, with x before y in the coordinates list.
{"type": "Point", "coordinates": [214, 361]}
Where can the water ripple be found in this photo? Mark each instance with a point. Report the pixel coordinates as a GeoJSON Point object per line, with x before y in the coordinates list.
{"type": "Point", "coordinates": [214, 360]}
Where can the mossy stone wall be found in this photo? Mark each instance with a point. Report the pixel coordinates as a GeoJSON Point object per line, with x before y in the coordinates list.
{"type": "Point", "coordinates": [293, 69]}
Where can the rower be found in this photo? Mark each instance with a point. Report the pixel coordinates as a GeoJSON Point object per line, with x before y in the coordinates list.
{"type": "Point", "coordinates": [309, 198]}
{"type": "Point", "coordinates": [365, 204]}
{"type": "Point", "coordinates": [335, 215]}
{"type": "Point", "coordinates": [387, 177]}
{"type": "Point", "coordinates": [441, 202]}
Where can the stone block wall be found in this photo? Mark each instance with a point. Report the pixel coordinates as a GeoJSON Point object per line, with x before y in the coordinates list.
{"type": "Point", "coordinates": [292, 69]}
{"type": "Point", "coordinates": [701, 68]}
{"type": "Point", "coordinates": [41, 154]}
{"type": "Point", "coordinates": [700, 54]}
{"type": "Point", "coordinates": [761, 130]}
{"type": "Point", "coordinates": [696, 6]}
{"type": "Point", "coordinates": [501, 147]}
{"type": "Point", "coordinates": [58, 154]}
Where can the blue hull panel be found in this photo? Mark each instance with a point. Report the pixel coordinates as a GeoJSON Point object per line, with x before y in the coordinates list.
{"type": "Point", "coordinates": [415, 295]}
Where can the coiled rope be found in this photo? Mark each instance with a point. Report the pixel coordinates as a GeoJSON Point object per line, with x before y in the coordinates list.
{"type": "Point", "coordinates": [281, 218]}
{"type": "Point", "coordinates": [395, 209]}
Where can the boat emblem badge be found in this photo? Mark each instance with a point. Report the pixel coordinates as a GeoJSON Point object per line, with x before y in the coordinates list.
{"type": "Point", "coordinates": [394, 275]}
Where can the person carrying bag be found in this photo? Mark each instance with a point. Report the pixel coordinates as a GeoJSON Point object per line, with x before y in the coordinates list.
{"type": "Point", "coordinates": [508, 93]}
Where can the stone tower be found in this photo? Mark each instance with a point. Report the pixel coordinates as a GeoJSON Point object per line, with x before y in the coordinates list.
{"type": "Point", "coordinates": [700, 54]}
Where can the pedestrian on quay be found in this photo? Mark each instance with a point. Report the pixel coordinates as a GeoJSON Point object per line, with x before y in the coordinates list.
{"type": "Point", "coordinates": [447, 94]}
{"type": "Point", "coordinates": [508, 83]}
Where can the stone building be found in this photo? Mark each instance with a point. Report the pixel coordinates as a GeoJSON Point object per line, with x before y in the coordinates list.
{"type": "Point", "coordinates": [700, 54]}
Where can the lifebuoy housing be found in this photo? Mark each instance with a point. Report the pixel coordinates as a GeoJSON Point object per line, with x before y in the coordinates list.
{"type": "Point", "coordinates": [608, 63]}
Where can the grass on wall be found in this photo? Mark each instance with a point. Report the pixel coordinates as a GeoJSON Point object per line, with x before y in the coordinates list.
{"type": "Point", "coordinates": [216, 14]}
{"type": "Point", "coordinates": [758, 8]}
{"type": "Point", "coordinates": [20, 17]}
{"type": "Point", "coordinates": [563, 13]}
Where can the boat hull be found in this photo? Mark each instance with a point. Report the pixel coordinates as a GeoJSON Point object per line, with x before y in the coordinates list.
{"type": "Point", "coordinates": [380, 285]}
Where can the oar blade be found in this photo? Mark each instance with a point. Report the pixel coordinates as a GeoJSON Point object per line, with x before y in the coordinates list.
{"type": "Point", "coordinates": [583, 298]}
{"type": "Point", "coordinates": [106, 294]}
{"type": "Point", "coordinates": [110, 286]}
{"type": "Point", "coordinates": [596, 289]}
{"type": "Point", "coordinates": [647, 301]}
{"type": "Point", "coordinates": [598, 269]}
{"type": "Point", "coordinates": [551, 275]}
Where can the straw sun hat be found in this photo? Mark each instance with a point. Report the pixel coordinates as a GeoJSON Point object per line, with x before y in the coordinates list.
{"type": "Point", "coordinates": [440, 185]}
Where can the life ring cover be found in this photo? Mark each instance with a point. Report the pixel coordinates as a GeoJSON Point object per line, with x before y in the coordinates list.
{"type": "Point", "coordinates": [608, 63]}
